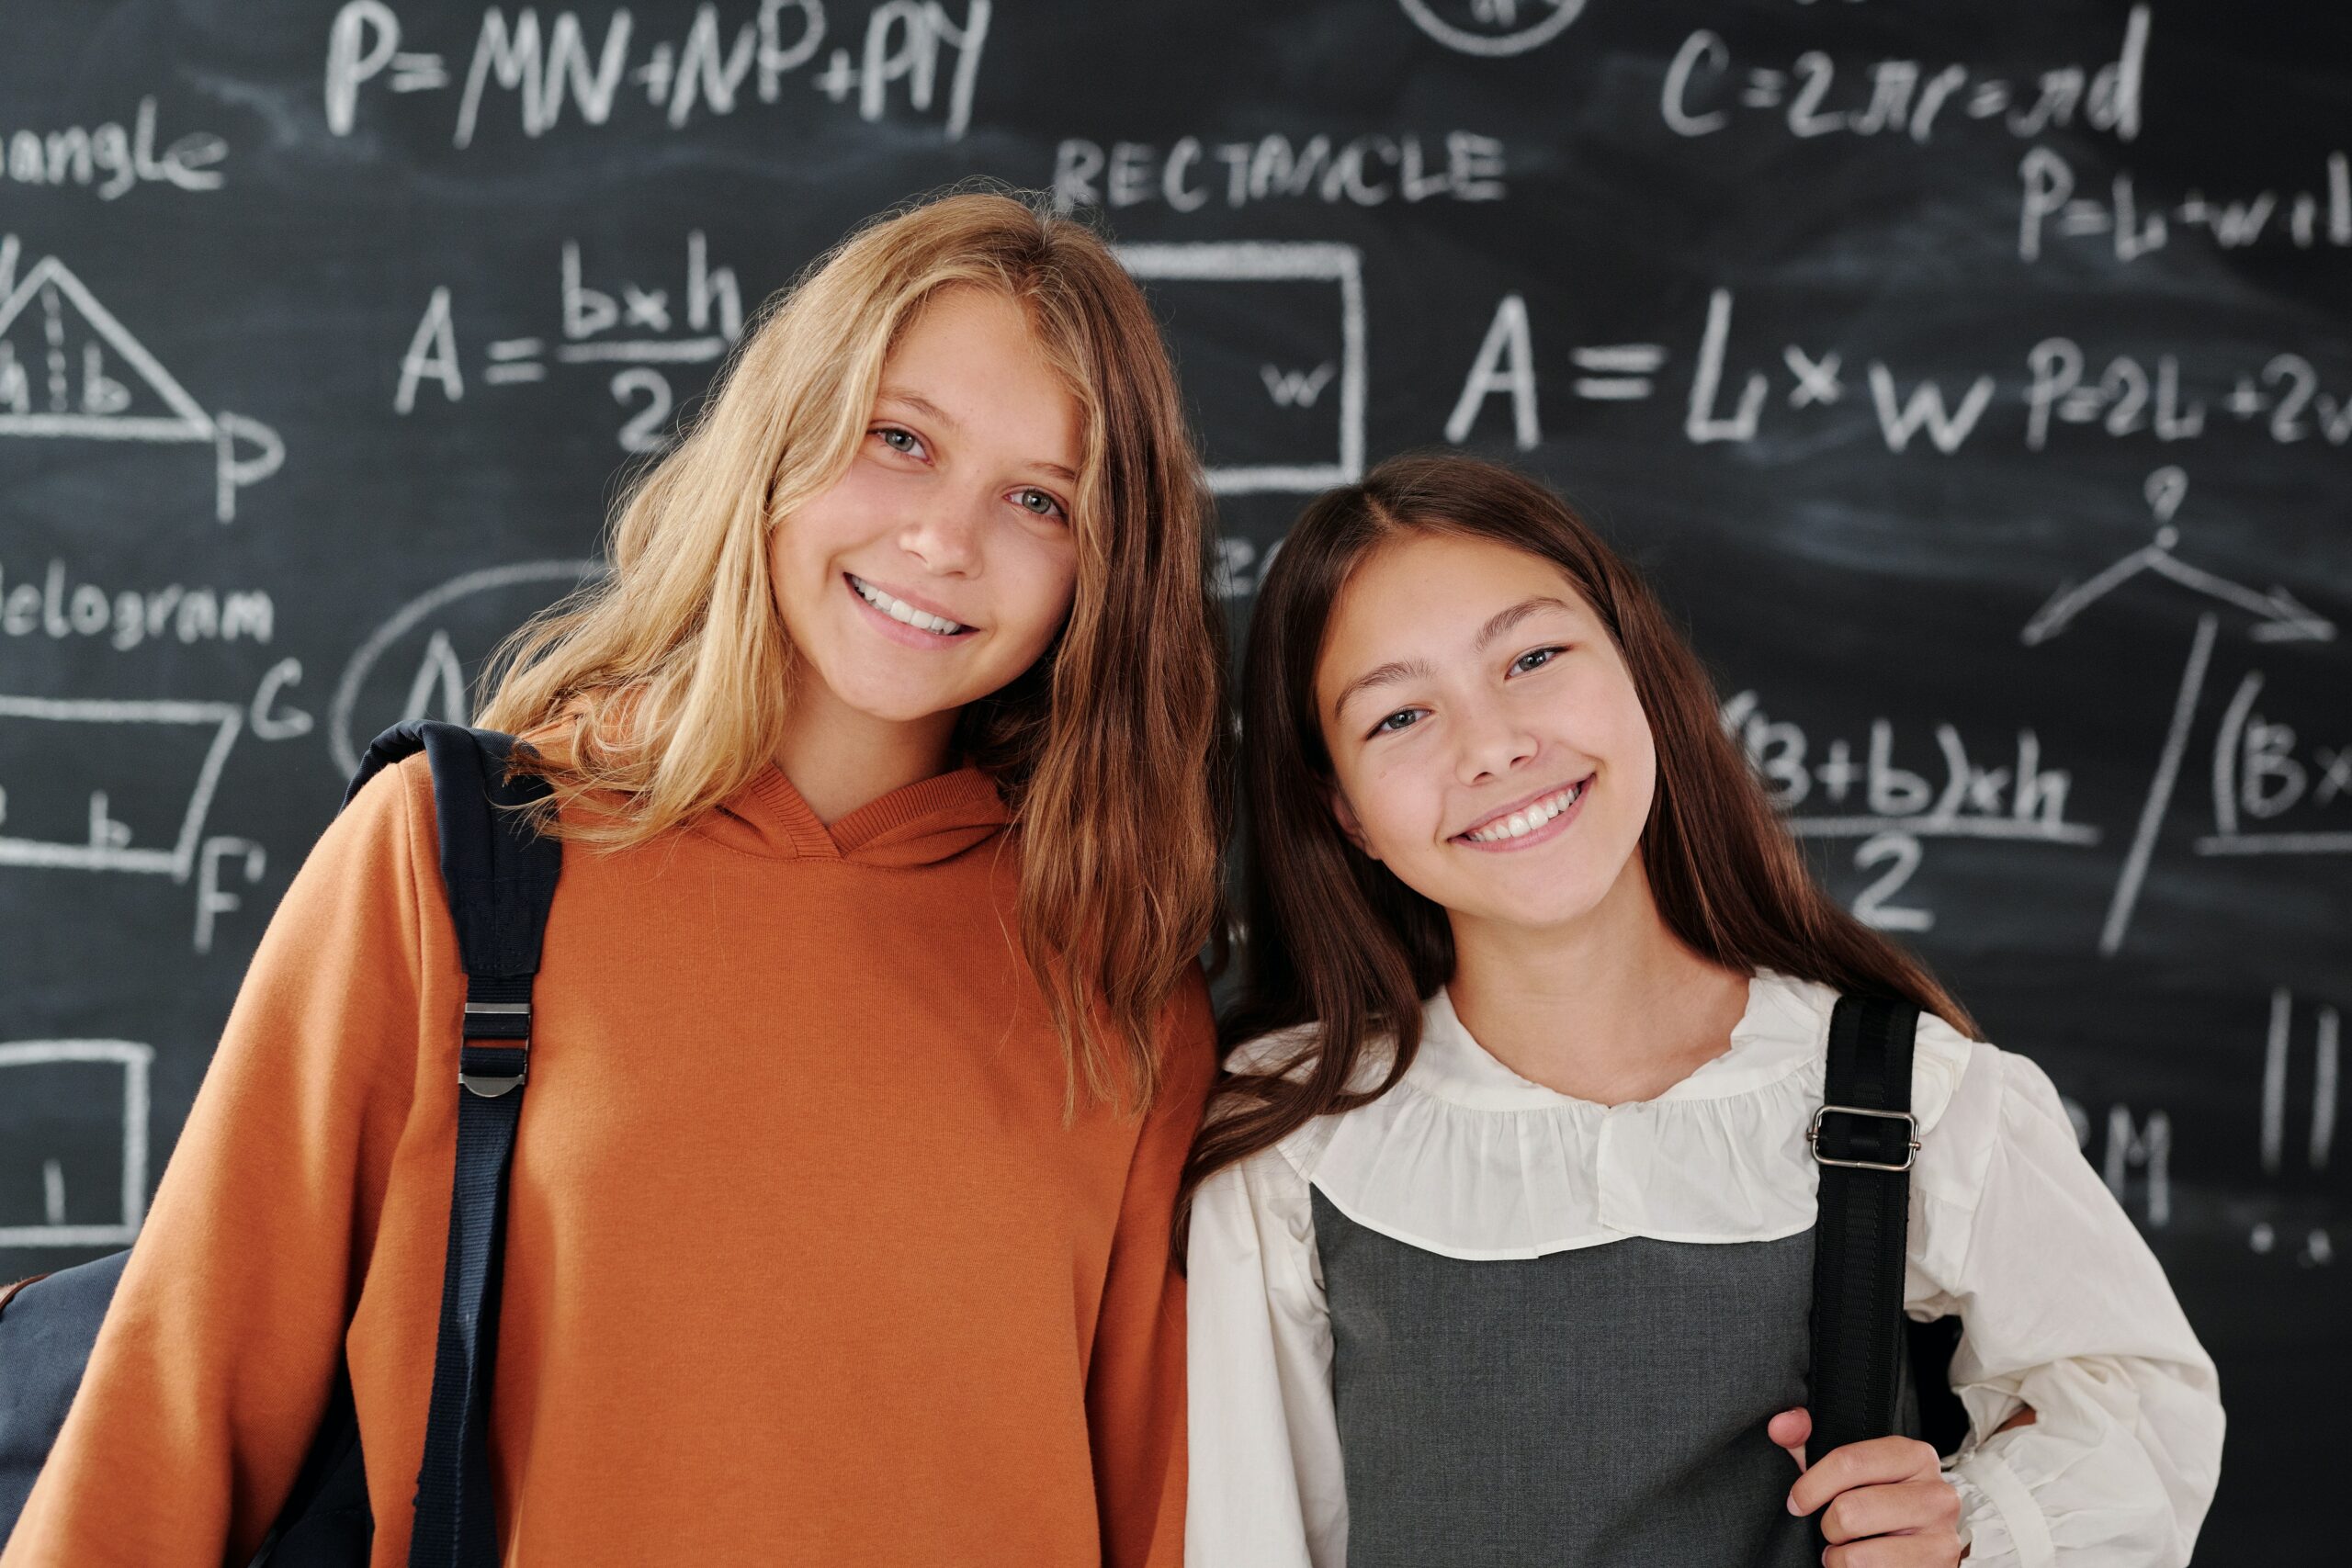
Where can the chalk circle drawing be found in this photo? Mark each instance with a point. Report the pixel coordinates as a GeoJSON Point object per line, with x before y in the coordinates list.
{"type": "Point", "coordinates": [69, 370]}
{"type": "Point", "coordinates": [1260, 261]}
{"type": "Point", "coordinates": [435, 687]}
{"type": "Point", "coordinates": [133, 1061]}
{"type": "Point", "coordinates": [1492, 27]}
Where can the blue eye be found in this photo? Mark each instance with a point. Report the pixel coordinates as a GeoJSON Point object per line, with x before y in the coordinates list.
{"type": "Point", "coordinates": [1038, 503]}
{"type": "Point", "coordinates": [1383, 728]}
{"type": "Point", "coordinates": [1542, 655]}
{"type": "Point", "coordinates": [892, 437]}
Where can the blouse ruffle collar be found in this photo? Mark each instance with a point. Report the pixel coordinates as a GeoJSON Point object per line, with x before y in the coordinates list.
{"type": "Point", "coordinates": [1466, 1159]}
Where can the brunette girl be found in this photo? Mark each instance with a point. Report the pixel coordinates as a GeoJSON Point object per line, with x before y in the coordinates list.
{"type": "Point", "coordinates": [1501, 1243]}
{"type": "Point", "coordinates": [869, 1038]}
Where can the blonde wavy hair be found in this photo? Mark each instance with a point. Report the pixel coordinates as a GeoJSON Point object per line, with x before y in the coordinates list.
{"type": "Point", "coordinates": [661, 688]}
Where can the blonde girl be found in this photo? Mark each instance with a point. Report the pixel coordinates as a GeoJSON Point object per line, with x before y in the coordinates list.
{"type": "Point", "coordinates": [869, 1033]}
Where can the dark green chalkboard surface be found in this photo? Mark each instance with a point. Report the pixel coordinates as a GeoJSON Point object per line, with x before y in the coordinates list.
{"type": "Point", "coordinates": [1975, 378]}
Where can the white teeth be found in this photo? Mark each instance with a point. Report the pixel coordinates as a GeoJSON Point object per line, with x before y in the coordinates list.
{"type": "Point", "coordinates": [1526, 821]}
{"type": "Point", "coordinates": [902, 611]}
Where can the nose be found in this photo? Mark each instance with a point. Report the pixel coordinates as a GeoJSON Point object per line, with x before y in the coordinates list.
{"type": "Point", "coordinates": [945, 535]}
{"type": "Point", "coordinates": [1490, 740]}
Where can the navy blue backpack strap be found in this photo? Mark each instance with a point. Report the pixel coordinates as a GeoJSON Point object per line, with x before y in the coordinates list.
{"type": "Point", "coordinates": [500, 874]}
{"type": "Point", "coordinates": [1863, 1137]}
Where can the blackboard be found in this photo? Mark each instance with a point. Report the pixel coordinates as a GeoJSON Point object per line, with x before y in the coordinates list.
{"type": "Point", "coordinates": [1975, 379]}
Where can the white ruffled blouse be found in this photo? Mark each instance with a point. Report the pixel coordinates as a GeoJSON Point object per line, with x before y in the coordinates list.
{"type": "Point", "coordinates": [2063, 1307]}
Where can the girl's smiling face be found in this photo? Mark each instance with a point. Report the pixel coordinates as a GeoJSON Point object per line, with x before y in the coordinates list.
{"type": "Point", "coordinates": [1486, 742]}
{"type": "Point", "coordinates": [942, 563]}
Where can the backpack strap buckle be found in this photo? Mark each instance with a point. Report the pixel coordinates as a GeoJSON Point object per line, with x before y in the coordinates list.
{"type": "Point", "coordinates": [497, 1020]}
{"type": "Point", "coordinates": [495, 1055]}
{"type": "Point", "coordinates": [492, 1070]}
{"type": "Point", "coordinates": [1910, 1133]}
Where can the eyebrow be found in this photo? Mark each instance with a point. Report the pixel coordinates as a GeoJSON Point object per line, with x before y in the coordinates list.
{"type": "Point", "coordinates": [1398, 670]}
{"type": "Point", "coordinates": [932, 411]}
{"type": "Point", "coordinates": [1388, 675]}
{"type": "Point", "coordinates": [1504, 620]}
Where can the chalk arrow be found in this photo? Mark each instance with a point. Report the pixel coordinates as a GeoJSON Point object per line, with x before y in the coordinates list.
{"type": "Point", "coordinates": [2280, 617]}
{"type": "Point", "coordinates": [2291, 621]}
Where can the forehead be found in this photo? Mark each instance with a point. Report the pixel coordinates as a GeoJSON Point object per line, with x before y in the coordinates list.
{"type": "Point", "coordinates": [1427, 595]}
{"type": "Point", "coordinates": [973, 356]}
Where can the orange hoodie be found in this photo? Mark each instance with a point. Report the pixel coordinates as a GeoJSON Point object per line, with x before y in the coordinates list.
{"type": "Point", "coordinates": [803, 1265]}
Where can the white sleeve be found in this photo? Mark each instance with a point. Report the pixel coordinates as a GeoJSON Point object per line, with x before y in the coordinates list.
{"type": "Point", "coordinates": [2063, 1309]}
{"type": "Point", "coordinates": [1266, 1489]}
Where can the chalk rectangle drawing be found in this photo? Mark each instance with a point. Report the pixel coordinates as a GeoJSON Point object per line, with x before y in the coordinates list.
{"type": "Point", "coordinates": [104, 850]}
{"type": "Point", "coordinates": [135, 1059]}
{"type": "Point", "coordinates": [1262, 261]}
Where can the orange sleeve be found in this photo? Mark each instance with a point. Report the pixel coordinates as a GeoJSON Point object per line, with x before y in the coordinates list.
{"type": "Point", "coordinates": [1134, 1394]}
{"type": "Point", "coordinates": [217, 1355]}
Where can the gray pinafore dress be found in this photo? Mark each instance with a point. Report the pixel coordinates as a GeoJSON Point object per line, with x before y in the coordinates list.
{"type": "Point", "coordinates": [1599, 1407]}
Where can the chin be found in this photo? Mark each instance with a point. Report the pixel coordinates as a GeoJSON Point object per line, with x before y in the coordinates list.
{"type": "Point", "coordinates": [900, 708]}
{"type": "Point", "coordinates": [1543, 908]}
{"type": "Point", "coordinates": [859, 690]}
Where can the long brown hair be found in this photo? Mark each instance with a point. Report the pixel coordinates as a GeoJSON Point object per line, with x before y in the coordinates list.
{"type": "Point", "coordinates": [663, 685]}
{"type": "Point", "coordinates": [1335, 940]}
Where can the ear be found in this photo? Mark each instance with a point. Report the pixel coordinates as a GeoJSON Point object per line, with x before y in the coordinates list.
{"type": "Point", "coordinates": [1346, 817]}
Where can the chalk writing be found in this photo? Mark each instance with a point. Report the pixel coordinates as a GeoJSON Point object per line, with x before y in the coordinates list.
{"type": "Point", "coordinates": [1731, 391]}
{"type": "Point", "coordinates": [110, 161]}
{"type": "Point", "coordinates": [2318, 216]}
{"type": "Point", "coordinates": [628, 323]}
{"type": "Point", "coordinates": [1368, 171]}
{"type": "Point", "coordinates": [1702, 93]}
{"type": "Point", "coordinates": [907, 48]}
{"type": "Point", "coordinates": [1865, 792]}
{"type": "Point", "coordinates": [2263, 770]}
{"type": "Point", "coordinates": [57, 606]}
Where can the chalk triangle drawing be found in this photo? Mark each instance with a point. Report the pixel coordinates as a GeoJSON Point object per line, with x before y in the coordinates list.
{"type": "Point", "coordinates": [68, 367]}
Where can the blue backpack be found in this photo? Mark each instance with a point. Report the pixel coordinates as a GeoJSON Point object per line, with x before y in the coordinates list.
{"type": "Point", "coordinates": [500, 877]}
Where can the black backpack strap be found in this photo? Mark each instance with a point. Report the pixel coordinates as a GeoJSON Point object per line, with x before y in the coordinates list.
{"type": "Point", "coordinates": [1863, 1137]}
{"type": "Point", "coordinates": [500, 876]}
